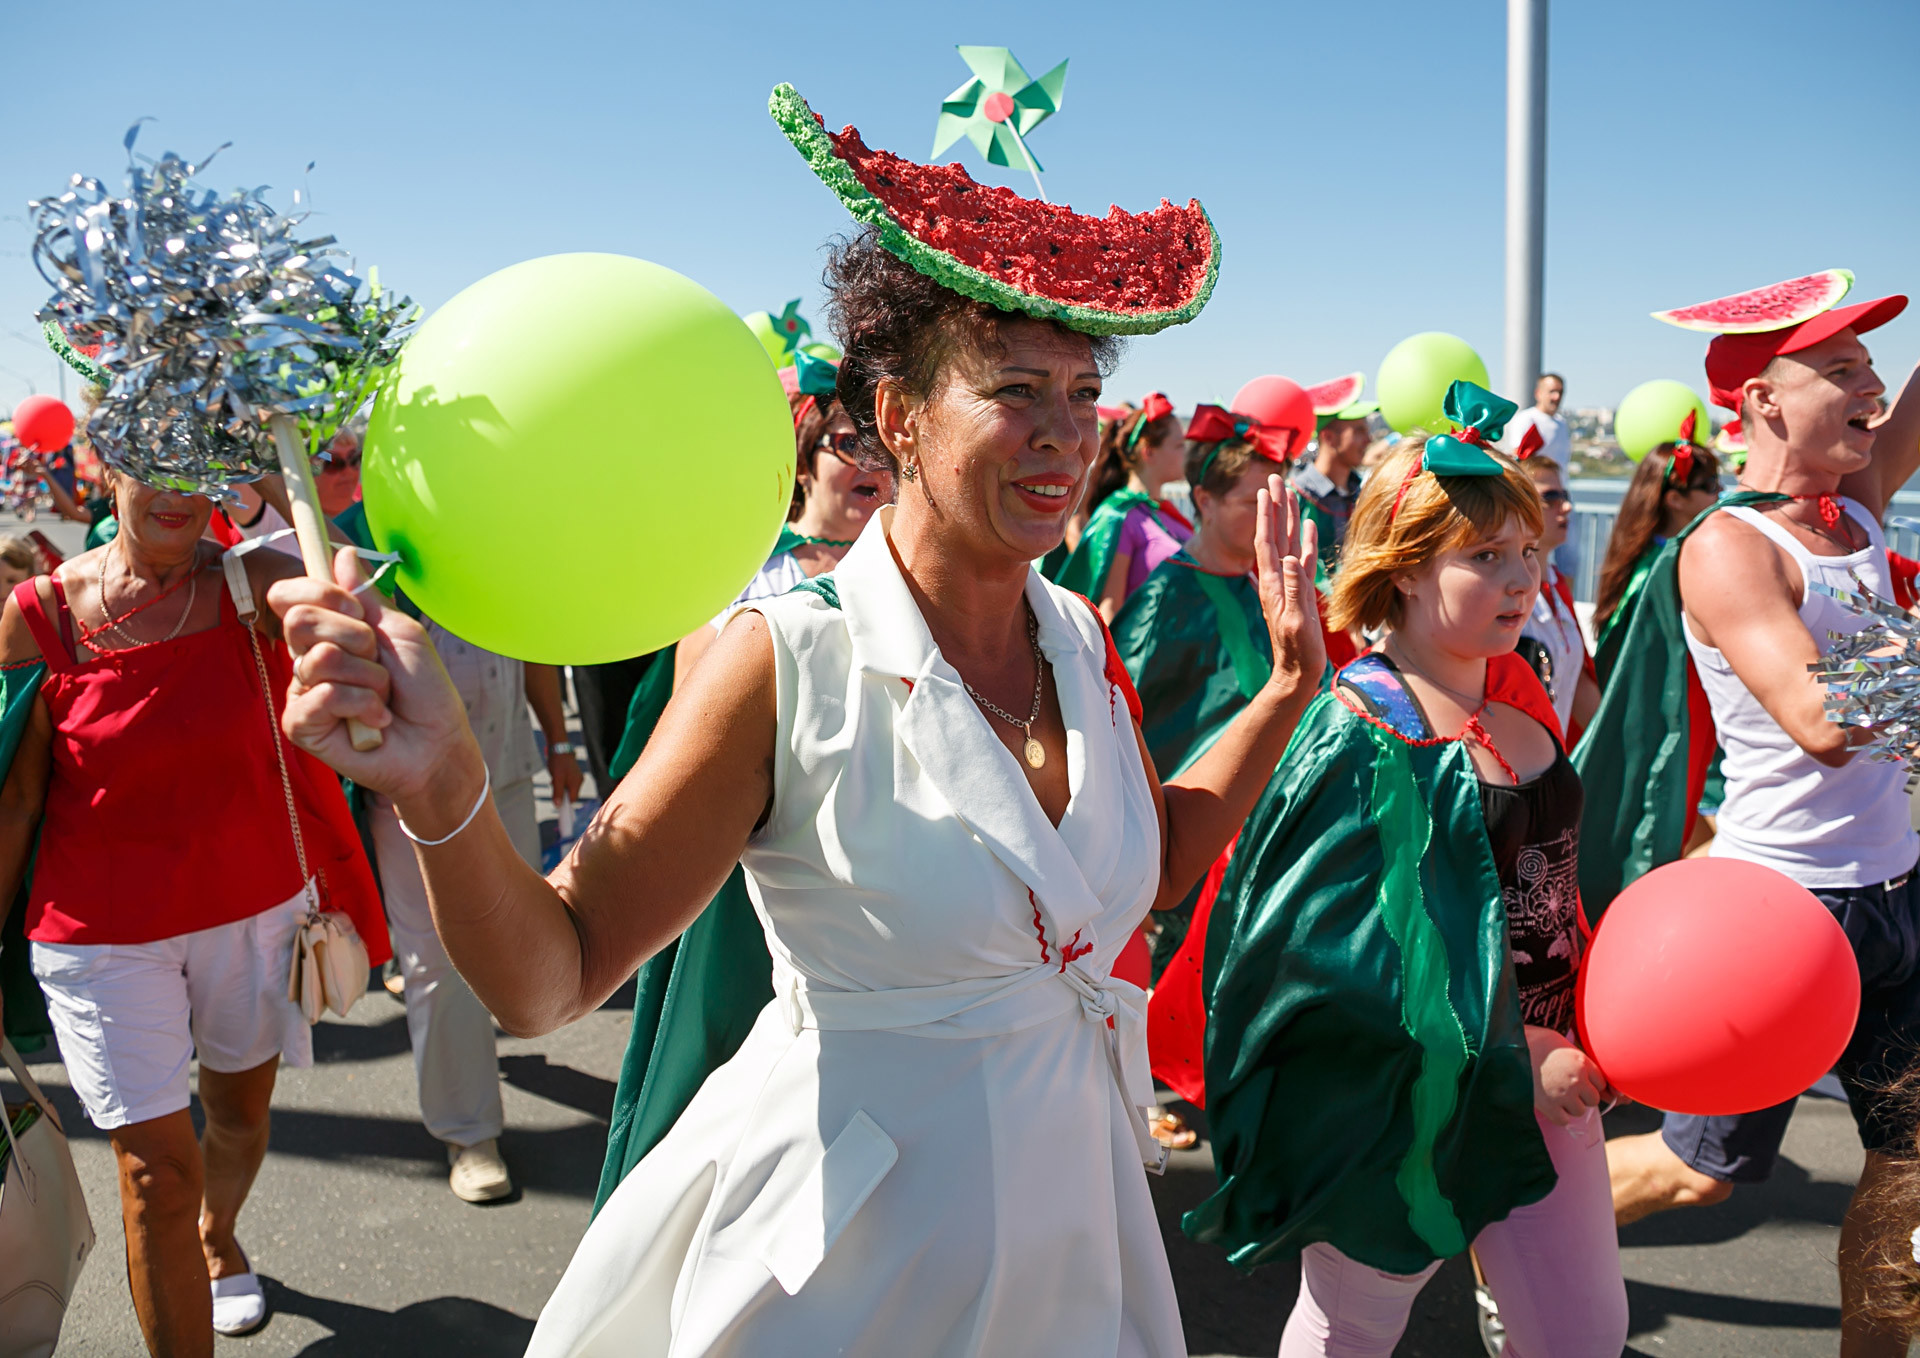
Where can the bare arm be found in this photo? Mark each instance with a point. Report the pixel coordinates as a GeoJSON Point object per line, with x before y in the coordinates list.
{"type": "Point", "coordinates": [1896, 452]}
{"type": "Point", "coordinates": [1203, 809]}
{"type": "Point", "coordinates": [542, 685]}
{"type": "Point", "coordinates": [539, 952]}
{"type": "Point", "coordinates": [1113, 590]}
{"type": "Point", "coordinates": [1586, 699]}
{"type": "Point", "coordinates": [65, 503]}
{"type": "Point", "coordinates": [1742, 596]}
{"type": "Point", "coordinates": [687, 654]}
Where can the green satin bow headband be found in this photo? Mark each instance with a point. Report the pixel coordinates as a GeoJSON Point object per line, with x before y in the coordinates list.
{"type": "Point", "coordinates": [1468, 451]}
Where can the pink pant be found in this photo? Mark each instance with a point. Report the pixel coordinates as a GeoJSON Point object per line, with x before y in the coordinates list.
{"type": "Point", "coordinates": [1553, 1267]}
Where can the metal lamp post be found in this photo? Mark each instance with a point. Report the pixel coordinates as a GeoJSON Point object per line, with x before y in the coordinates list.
{"type": "Point", "coordinates": [1526, 192]}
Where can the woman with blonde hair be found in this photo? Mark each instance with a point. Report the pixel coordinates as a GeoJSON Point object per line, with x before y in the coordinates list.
{"type": "Point", "coordinates": [1391, 1069]}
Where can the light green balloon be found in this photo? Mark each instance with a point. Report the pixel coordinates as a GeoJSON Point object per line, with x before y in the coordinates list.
{"type": "Point", "coordinates": [761, 323]}
{"type": "Point", "coordinates": [1651, 414]}
{"type": "Point", "coordinates": [1414, 377]}
{"type": "Point", "coordinates": [579, 459]}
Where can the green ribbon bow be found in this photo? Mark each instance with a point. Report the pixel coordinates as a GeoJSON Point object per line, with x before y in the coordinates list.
{"type": "Point", "coordinates": [817, 377]}
{"type": "Point", "coordinates": [1482, 418]}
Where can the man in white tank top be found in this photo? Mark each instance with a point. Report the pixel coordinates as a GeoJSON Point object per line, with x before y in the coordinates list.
{"type": "Point", "coordinates": [1797, 799]}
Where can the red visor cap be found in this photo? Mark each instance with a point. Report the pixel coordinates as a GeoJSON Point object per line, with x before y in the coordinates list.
{"type": "Point", "coordinates": [1732, 359]}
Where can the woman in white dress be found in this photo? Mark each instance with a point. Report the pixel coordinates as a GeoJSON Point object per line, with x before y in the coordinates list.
{"type": "Point", "coordinates": [932, 1141]}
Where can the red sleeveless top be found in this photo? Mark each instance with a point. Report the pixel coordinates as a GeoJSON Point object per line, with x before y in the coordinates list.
{"type": "Point", "coordinates": [165, 813]}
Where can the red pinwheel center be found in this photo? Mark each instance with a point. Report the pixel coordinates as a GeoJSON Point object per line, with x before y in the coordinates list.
{"type": "Point", "coordinates": [997, 107]}
{"type": "Point", "coordinates": [791, 327]}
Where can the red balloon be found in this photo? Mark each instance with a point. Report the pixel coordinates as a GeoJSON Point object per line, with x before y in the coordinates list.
{"type": "Point", "coordinates": [42, 424]}
{"type": "Point", "coordinates": [1278, 401]}
{"type": "Point", "coordinates": [1716, 986]}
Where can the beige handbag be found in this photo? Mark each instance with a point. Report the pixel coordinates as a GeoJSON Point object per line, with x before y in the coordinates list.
{"type": "Point", "coordinates": [330, 962]}
{"type": "Point", "coordinates": [45, 1232]}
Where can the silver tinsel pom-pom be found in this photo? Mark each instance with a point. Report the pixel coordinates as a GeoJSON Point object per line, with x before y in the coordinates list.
{"type": "Point", "coordinates": [212, 315]}
{"type": "Point", "coordinates": [1872, 676]}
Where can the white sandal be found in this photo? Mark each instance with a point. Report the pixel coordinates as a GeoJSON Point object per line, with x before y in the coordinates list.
{"type": "Point", "coordinates": [239, 1302]}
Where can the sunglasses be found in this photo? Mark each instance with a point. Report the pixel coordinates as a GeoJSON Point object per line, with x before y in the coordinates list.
{"type": "Point", "coordinates": [328, 462]}
{"type": "Point", "coordinates": [842, 446]}
{"type": "Point", "coordinates": [1556, 497]}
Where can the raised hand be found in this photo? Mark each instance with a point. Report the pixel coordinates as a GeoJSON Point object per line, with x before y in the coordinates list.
{"type": "Point", "coordinates": [1286, 546]}
{"type": "Point", "coordinates": [354, 658]}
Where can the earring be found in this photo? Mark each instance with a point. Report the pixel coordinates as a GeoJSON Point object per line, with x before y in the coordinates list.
{"type": "Point", "coordinates": [910, 471]}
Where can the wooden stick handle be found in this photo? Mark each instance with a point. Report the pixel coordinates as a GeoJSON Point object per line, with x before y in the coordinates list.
{"type": "Point", "coordinates": [310, 528]}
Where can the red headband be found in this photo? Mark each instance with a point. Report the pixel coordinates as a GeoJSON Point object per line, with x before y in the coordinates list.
{"type": "Point", "coordinates": [1680, 467]}
{"type": "Point", "coordinates": [1531, 442]}
{"type": "Point", "coordinates": [1211, 424]}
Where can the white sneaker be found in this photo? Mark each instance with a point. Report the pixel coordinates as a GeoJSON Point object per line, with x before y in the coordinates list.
{"type": "Point", "coordinates": [239, 1304]}
{"type": "Point", "coordinates": [478, 1174]}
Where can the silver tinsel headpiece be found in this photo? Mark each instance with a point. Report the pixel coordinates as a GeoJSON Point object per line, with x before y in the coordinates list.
{"type": "Point", "coordinates": [1872, 676]}
{"type": "Point", "coordinates": [211, 315]}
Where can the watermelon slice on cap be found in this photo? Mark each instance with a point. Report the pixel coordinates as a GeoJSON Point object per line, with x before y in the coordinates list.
{"type": "Point", "coordinates": [1123, 274]}
{"type": "Point", "coordinates": [1330, 398]}
{"type": "Point", "coordinates": [1770, 308]}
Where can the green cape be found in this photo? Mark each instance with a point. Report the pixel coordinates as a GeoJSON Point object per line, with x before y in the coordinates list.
{"type": "Point", "coordinates": [1086, 570]}
{"type": "Point", "coordinates": [696, 999]}
{"type": "Point", "coordinates": [1634, 756]}
{"type": "Point", "coordinates": [27, 1025]}
{"type": "Point", "coordinates": [1635, 583]}
{"type": "Point", "coordinates": [1197, 648]}
{"type": "Point", "coordinates": [1368, 1080]}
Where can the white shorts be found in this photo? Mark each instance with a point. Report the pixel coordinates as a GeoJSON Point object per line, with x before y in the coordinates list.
{"type": "Point", "coordinates": [129, 1016]}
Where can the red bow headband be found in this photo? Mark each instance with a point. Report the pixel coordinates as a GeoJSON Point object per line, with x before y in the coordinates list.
{"type": "Point", "coordinates": [1155, 407]}
{"type": "Point", "coordinates": [1212, 424]}
{"type": "Point", "coordinates": [1680, 467]}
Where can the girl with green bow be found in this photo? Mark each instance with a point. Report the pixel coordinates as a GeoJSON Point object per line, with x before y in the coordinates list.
{"type": "Point", "coordinates": [1390, 965]}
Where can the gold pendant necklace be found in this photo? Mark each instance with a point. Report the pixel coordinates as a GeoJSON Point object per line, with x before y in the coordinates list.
{"type": "Point", "coordinates": [1035, 752]}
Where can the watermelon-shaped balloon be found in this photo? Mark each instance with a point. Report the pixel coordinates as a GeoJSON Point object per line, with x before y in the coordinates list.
{"type": "Point", "coordinates": [1122, 274]}
{"type": "Point", "coordinates": [1769, 308]}
{"type": "Point", "coordinates": [1330, 398]}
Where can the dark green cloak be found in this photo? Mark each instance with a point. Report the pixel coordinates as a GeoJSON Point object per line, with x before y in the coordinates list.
{"type": "Point", "coordinates": [1086, 570]}
{"type": "Point", "coordinates": [27, 1025]}
{"type": "Point", "coordinates": [695, 1000]}
{"type": "Point", "coordinates": [1637, 754]}
{"type": "Point", "coordinates": [1198, 650]}
{"type": "Point", "coordinates": [1368, 1079]}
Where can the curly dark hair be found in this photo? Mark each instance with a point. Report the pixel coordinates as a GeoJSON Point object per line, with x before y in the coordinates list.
{"type": "Point", "coordinates": [898, 325]}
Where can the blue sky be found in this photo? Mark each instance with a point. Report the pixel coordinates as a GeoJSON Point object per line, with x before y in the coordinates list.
{"type": "Point", "coordinates": [1351, 154]}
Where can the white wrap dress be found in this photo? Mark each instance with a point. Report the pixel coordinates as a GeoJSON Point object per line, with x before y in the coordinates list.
{"type": "Point", "coordinates": [932, 1141]}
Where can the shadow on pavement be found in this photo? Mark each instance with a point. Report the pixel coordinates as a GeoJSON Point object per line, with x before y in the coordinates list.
{"type": "Point", "coordinates": [563, 1085]}
{"type": "Point", "coordinates": [442, 1325]}
{"type": "Point", "coordinates": [335, 1042]}
{"type": "Point", "coordinates": [1651, 1306]}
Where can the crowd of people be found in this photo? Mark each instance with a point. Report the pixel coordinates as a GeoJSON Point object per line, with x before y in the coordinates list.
{"type": "Point", "coordinates": [913, 936]}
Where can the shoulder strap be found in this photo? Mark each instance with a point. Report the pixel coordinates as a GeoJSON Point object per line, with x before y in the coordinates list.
{"type": "Point", "coordinates": [1250, 669]}
{"type": "Point", "coordinates": [1383, 695]}
{"type": "Point", "coordinates": [1511, 680]}
{"type": "Point", "coordinates": [53, 649]}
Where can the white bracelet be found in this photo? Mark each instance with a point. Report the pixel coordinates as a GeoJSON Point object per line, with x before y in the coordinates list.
{"type": "Point", "coordinates": [486, 787]}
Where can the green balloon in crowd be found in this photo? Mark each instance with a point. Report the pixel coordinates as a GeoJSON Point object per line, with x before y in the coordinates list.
{"type": "Point", "coordinates": [572, 387]}
{"type": "Point", "coordinates": [1652, 413]}
{"type": "Point", "coordinates": [1414, 377]}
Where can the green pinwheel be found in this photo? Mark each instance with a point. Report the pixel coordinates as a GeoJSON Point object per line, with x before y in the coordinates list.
{"type": "Point", "coordinates": [999, 108]}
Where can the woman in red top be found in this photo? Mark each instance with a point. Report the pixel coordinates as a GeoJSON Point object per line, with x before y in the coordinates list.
{"type": "Point", "coordinates": [165, 889]}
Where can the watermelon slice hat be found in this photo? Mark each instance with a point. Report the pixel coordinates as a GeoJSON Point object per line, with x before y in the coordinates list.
{"type": "Point", "coordinates": [1751, 329]}
{"type": "Point", "coordinates": [1122, 274]}
{"type": "Point", "coordinates": [1340, 400]}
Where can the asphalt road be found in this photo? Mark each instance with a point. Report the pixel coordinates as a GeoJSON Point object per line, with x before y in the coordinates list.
{"type": "Point", "coordinates": [366, 1253]}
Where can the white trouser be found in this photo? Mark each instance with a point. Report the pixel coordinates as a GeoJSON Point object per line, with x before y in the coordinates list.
{"type": "Point", "coordinates": [451, 1031]}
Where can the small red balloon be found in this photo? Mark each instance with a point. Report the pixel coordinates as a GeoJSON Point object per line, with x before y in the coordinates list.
{"type": "Point", "coordinates": [1716, 986]}
{"type": "Point", "coordinates": [1279, 401]}
{"type": "Point", "coordinates": [42, 424]}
